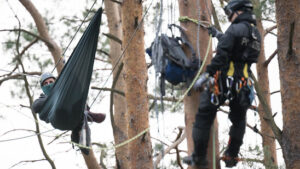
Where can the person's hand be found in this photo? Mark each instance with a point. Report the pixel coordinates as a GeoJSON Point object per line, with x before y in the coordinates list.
{"type": "Point", "coordinates": [213, 31]}
{"type": "Point", "coordinates": [201, 81]}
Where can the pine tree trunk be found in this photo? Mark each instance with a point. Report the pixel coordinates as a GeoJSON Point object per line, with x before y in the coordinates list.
{"type": "Point", "coordinates": [270, 157]}
{"type": "Point", "coordinates": [288, 22]}
{"type": "Point", "coordinates": [91, 161]}
{"type": "Point", "coordinates": [191, 103]}
{"type": "Point", "coordinates": [119, 118]}
{"type": "Point", "coordinates": [140, 149]}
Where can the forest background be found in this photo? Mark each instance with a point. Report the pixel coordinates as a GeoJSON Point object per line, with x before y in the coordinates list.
{"type": "Point", "coordinates": [63, 18]}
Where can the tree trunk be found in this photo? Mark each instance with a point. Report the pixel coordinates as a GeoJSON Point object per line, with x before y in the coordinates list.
{"type": "Point", "coordinates": [191, 103]}
{"type": "Point", "coordinates": [269, 147]}
{"type": "Point", "coordinates": [135, 68]}
{"type": "Point", "coordinates": [43, 31]}
{"type": "Point", "coordinates": [91, 161]}
{"type": "Point", "coordinates": [119, 119]}
{"type": "Point", "coordinates": [288, 25]}
{"type": "Point", "coordinates": [55, 50]}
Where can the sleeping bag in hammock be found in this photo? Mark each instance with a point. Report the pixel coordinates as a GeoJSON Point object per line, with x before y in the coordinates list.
{"type": "Point", "coordinates": [64, 107]}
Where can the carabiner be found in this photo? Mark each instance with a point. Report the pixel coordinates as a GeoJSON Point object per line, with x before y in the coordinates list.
{"type": "Point", "coordinates": [214, 99]}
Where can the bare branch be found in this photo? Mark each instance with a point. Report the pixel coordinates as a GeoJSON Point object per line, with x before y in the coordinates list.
{"type": "Point", "coordinates": [17, 76]}
{"type": "Point", "coordinates": [269, 20]}
{"type": "Point", "coordinates": [57, 137]}
{"type": "Point", "coordinates": [266, 63]}
{"type": "Point", "coordinates": [29, 33]}
{"type": "Point", "coordinates": [26, 161]}
{"type": "Point", "coordinates": [17, 130]}
{"type": "Point", "coordinates": [269, 119]}
{"type": "Point", "coordinates": [113, 37]}
{"type": "Point", "coordinates": [270, 29]}
{"type": "Point", "coordinates": [168, 149]}
{"type": "Point", "coordinates": [118, 2]}
{"type": "Point", "coordinates": [104, 52]}
{"type": "Point", "coordinates": [277, 91]}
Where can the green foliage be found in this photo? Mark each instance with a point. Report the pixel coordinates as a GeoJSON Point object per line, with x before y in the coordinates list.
{"type": "Point", "coordinates": [264, 8]}
{"type": "Point", "coordinates": [9, 44]}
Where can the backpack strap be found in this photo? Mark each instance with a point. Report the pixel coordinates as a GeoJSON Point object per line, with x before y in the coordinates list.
{"type": "Point", "coordinates": [183, 39]}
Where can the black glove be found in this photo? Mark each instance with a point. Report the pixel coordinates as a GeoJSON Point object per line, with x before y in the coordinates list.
{"type": "Point", "coordinates": [201, 81]}
{"type": "Point", "coordinates": [214, 32]}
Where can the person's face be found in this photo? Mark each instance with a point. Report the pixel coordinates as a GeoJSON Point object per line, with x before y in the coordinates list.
{"type": "Point", "coordinates": [48, 81]}
{"type": "Point", "coordinates": [235, 14]}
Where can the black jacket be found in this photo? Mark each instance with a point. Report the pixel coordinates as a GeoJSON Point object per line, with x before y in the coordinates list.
{"type": "Point", "coordinates": [230, 48]}
{"type": "Point", "coordinates": [38, 103]}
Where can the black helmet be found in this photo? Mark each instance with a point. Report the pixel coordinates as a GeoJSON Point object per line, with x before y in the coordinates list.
{"type": "Point", "coordinates": [46, 76]}
{"type": "Point", "coordinates": [237, 5]}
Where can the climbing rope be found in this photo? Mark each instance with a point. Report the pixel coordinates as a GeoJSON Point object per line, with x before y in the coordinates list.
{"type": "Point", "coordinates": [76, 33]}
{"type": "Point", "coordinates": [118, 145]}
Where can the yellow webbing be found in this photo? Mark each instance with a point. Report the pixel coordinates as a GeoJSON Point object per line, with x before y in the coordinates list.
{"type": "Point", "coordinates": [231, 69]}
{"type": "Point", "coordinates": [245, 71]}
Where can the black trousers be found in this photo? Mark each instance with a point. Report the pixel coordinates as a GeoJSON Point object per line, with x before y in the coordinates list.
{"type": "Point", "coordinates": [205, 118]}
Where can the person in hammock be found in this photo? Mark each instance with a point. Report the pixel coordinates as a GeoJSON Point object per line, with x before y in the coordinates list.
{"type": "Point", "coordinates": [47, 81]}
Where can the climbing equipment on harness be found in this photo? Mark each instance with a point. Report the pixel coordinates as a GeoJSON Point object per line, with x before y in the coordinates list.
{"type": "Point", "coordinates": [215, 91]}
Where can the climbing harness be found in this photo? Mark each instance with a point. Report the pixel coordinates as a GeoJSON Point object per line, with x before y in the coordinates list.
{"type": "Point", "coordinates": [215, 89]}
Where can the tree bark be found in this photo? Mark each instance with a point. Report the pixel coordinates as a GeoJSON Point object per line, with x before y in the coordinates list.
{"type": "Point", "coordinates": [120, 119]}
{"type": "Point", "coordinates": [140, 149]}
{"type": "Point", "coordinates": [269, 147]}
{"type": "Point", "coordinates": [288, 22]}
{"type": "Point", "coordinates": [91, 161]}
{"type": "Point", "coordinates": [191, 103]}
{"type": "Point", "coordinates": [43, 31]}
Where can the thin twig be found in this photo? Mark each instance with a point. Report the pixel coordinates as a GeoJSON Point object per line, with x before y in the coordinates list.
{"type": "Point", "coordinates": [266, 63]}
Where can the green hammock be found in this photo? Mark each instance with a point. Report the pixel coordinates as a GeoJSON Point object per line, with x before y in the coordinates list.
{"type": "Point", "coordinates": [64, 107]}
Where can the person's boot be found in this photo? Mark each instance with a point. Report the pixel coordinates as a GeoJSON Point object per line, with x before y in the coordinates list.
{"type": "Point", "coordinates": [192, 160]}
{"type": "Point", "coordinates": [229, 160]}
{"type": "Point", "coordinates": [230, 157]}
{"type": "Point", "coordinates": [95, 117]}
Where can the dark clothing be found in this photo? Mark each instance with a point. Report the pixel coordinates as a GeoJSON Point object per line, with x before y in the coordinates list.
{"type": "Point", "coordinates": [77, 132]}
{"type": "Point", "coordinates": [230, 46]}
{"type": "Point", "coordinates": [38, 104]}
{"type": "Point", "coordinates": [230, 49]}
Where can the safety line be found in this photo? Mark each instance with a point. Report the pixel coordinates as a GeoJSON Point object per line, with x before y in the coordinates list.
{"type": "Point", "coordinates": [196, 77]}
{"type": "Point", "coordinates": [116, 146]}
{"type": "Point", "coordinates": [75, 34]}
{"type": "Point", "coordinates": [123, 52]}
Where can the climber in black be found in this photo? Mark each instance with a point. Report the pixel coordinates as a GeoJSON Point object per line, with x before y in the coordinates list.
{"type": "Point", "coordinates": [47, 81]}
{"type": "Point", "coordinates": [237, 49]}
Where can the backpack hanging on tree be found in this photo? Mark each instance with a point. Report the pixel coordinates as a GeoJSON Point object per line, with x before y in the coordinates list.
{"type": "Point", "coordinates": [170, 61]}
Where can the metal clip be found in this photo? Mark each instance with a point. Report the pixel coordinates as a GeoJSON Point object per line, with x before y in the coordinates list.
{"type": "Point", "coordinates": [214, 99]}
{"type": "Point", "coordinates": [229, 83]}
